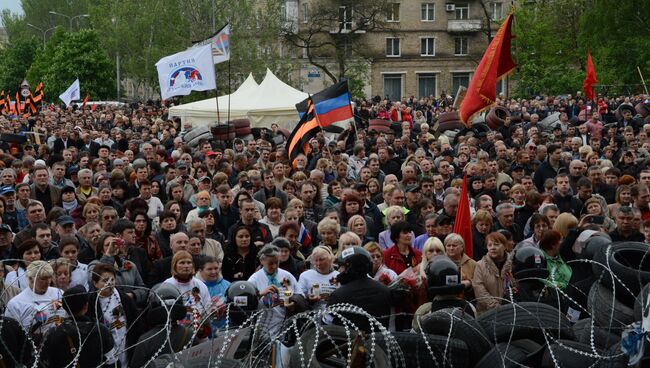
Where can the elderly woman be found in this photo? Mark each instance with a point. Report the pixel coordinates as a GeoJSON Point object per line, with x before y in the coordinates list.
{"type": "Point", "coordinates": [540, 224]}
{"type": "Point", "coordinates": [492, 274]}
{"type": "Point", "coordinates": [455, 250]}
{"type": "Point", "coordinates": [275, 286]}
{"type": "Point", "coordinates": [432, 247]}
{"type": "Point", "coordinates": [37, 308]}
{"type": "Point", "coordinates": [62, 272]}
{"type": "Point", "coordinates": [348, 240]}
{"type": "Point", "coordinates": [329, 231]}
{"type": "Point", "coordinates": [379, 272]}
{"type": "Point", "coordinates": [559, 271]}
{"type": "Point", "coordinates": [273, 218]}
{"type": "Point", "coordinates": [116, 310]}
{"type": "Point", "coordinates": [28, 252]}
{"type": "Point", "coordinates": [194, 293]}
{"type": "Point", "coordinates": [334, 190]}
{"type": "Point", "coordinates": [319, 282]}
{"type": "Point", "coordinates": [594, 208]}
{"type": "Point", "coordinates": [144, 237]}
{"type": "Point", "coordinates": [394, 214]}
{"type": "Point", "coordinates": [401, 255]}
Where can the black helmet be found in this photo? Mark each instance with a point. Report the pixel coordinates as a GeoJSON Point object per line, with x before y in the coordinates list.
{"type": "Point", "coordinates": [443, 277]}
{"type": "Point", "coordinates": [356, 262]}
{"type": "Point", "coordinates": [243, 294]}
{"type": "Point", "coordinates": [595, 243]}
{"type": "Point", "coordinates": [529, 262]}
{"type": "Point", "coordinates": [165, 299]}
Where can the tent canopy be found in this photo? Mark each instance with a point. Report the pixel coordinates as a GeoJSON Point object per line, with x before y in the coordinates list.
{"type": "Point", "coordinates": [272, 101]}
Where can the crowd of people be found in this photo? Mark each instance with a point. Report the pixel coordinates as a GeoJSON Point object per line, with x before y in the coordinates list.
{"type": "Point", "coordinates": [113, 227]}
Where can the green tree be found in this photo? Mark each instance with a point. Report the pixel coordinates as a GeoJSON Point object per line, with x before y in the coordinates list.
{"type": "Point", "coordinates": [15, 60]}
{"type": "Point", "coordinates": [69, 56]}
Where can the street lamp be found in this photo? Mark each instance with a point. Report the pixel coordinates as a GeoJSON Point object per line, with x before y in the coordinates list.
{"type": "Point", "coordinates": [69, 17]}
{"type": "Point", "coordinates": [117, 62]}
{"type": "Point", "coordinates": [44, 32]}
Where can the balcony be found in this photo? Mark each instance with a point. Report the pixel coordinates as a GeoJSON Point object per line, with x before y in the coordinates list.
{"type": "Point", "coordinates": [464, 25]}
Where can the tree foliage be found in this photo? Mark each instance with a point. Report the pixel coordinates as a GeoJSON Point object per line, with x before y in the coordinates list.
{"type": "Point", "coordinates": [69, 56]}
{"type": "Point", "coordinates": [334, 38]}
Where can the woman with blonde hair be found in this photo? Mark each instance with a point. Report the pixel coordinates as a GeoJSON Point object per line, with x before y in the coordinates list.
{"type": "Point", "coordinates": [565, 222]}
{"type": "Point", "coordinates": [379, 272]}
{"type": "Point", "coordinates": [433, 247]}
{"type": "Point", "coordinates": [358, 225]}
{"type": "Point", "coordinates": [492, 273]}
{"type": "Point", "coordinates": [318, 283]}
{"type": "Point", "coordinates": [455, 250]}
{"type": "Point", "coordinates": [518, 195]}
{"type": "Point", "coordinates": [394, 214]}
{"type": "Point", "coordinates": [348, 240]}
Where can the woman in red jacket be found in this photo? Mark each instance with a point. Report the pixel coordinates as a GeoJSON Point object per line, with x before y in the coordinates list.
{"type": "Point", "coordinates": [401, 255]}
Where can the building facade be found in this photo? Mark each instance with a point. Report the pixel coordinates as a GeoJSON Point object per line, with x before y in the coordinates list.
{"type": "Point", "coordinates": [433, 48]}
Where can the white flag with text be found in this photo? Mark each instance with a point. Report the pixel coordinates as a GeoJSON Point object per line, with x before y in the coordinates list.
{"type": "Point", "coordinates": [73, 93]}
{"type": "Point", "coordinates": [187, 71]}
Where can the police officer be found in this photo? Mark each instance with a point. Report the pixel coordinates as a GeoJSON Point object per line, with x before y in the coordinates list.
{"type": "Point", "coordinates": [78, 337]}
{"type": "Point", "coordinates": [358, 289]}
{"type": "Point", "coordinates": [529, 271]}
{"type": "Point", "coordinates": [243, 299]}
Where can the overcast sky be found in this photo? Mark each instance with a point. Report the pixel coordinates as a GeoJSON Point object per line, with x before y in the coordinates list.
{"type": "Point", "coordinates": [13, 5]}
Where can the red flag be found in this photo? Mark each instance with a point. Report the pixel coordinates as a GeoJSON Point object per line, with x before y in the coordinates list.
{"type": "Point", "coordinates": [83, 106]}
{"type": "Point", "coordinates": [92, 107]}
{"type": "Point", "coordinates": [496, 63]}
{"type": "Point", "coordinates": [590, 79]}
{"type": "Point", "coordinates": [463, 223]}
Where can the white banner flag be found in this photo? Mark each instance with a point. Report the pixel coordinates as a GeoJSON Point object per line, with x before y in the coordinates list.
{"type": "Point", "coordinates": [186, 71]}
{"type": "Point", "coordinates": [220, 43]}
{"type": "Point", "coordinates": [71, 94]}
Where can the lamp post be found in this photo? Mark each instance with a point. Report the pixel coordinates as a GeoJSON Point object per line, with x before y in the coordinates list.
{"type": "Point", "coordinates": [44, 32]}
{"type": "Point", "coordinates": [71, 19]}
{"type": "Point", "coordinates": [117, 63]}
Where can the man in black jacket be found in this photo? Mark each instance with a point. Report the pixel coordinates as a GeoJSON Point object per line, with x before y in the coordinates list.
{"type": "Point", "coordinates": [550, 168]}
{"type": "Point", "coordinates": [260, 233]}
{"type": "Point", "coordinates": [564, 198]}
{"type": "Point", "coordinates": [625, 230]}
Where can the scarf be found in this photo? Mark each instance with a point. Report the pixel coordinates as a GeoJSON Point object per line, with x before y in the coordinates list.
{"type": "Point", "coordinates": [273, 279]}
{"type": "Point", "coordinates": [70, 206]}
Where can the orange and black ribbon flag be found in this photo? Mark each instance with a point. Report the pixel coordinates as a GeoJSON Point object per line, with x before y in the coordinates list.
{"type": "Point", "coordinates": [38, 93]}
{"type": "Point", "coordinates": [2, 101]}
{"type": "Point", "coordinates": [31, 104]}
{"type": "Point", "coordinates": [496, 63]}
{"type": "Point", "coordinates": [306, 129]}
{"type": "Point", "coordinates": [17, 102]}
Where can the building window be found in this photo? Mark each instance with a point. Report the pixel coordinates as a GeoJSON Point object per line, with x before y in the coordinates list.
{"type": "Point", "coordinates": [393, 13]}
{"type": "Point", "coordinates": [283, 12]}
{"type": "Point", "coordinates": [428, 46]}
{"type": "Point", "coordinates": [462, 10]}
{"type": "Point", "coordinates": [393, 86]}
{"type": "Point", "coordinates": [500, 86]}
{"type": "Point", "coordinates": [459, 80]}
{"type": "Point", "coordinates": [426, 84]}
{"type": "Point", "coordinates": [428, 13]}
{"type": "Point", "coordinates": [460, 46]}
{"type": "Point", "coordinates": [496, 10]}
{"type": "Point", "coordinates": [345, 18]}
{"type": "Point", "coordinates": [392, 47]}
{"type": "Point", "coordinates": [305, 12]}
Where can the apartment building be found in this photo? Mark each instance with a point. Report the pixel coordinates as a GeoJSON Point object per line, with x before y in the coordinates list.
{"type": "Point", "coordinates": [434, 47]}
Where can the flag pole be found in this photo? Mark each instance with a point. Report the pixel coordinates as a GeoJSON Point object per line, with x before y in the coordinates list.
{"type": "Point", "coordinates": [229, 92]}
{"type": "Point", "coordinates": [321, 129]}
{"type": "Point", "coordinates": [642, 80]}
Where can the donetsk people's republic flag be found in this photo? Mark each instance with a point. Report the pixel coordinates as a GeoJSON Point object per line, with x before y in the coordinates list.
{"type": "Point", "coordinates": [306, 129]}
{"type": "Point", "coordinates": [496, 63]}
{"type": "Point", "coordinates": [332, 105]}
{"type": "Point", "coordinates": [187, 71]}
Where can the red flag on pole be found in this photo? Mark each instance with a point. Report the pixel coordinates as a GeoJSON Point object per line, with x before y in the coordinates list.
{"type": "Point", "coordinates": [496, 63]}
{"type": "Point", "coordinates": [83, 106]}
{"type": "Point", "coordinates": [463, 223]}
{"type": "Point", "coordinates": [590, 78]}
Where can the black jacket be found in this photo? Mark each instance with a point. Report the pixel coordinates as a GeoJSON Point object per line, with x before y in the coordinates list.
{"type": "Point", "coordinates": [60, 341]}
{"type": "Point", "coordinates": [635, 236]}
{"type": "Point", "coordinates": [368, 294]}
{"type": "Point", "coordinates": [236, 268]}
{"type": "Point", "coordinates": [545, 171]}
{"type": "Point", "coordinates": [259, 232]}
{"type": "Point", "coordinates": [568, 203]}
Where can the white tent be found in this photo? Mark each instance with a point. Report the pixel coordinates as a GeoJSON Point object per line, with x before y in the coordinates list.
{"type": "Point", "coordinates": [272, 101]}
{"type": "Point", "coordinates": [204, 112]}
{"type": "Point", "coordinates": [275, 102]}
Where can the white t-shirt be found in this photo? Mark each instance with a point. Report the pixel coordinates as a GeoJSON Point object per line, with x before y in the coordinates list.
{"type": "Point", "coordinates": [191, 299]}
{"type": "Point", "coordinates": [114, 318]}
{"type": "Point", "coordinates": [29, 308]}
{"type": "Point", "coordinates": [79, 276]}
{"type": "Point", "coordinates": [311, 277]}
{"type": "Point", "coordinates": [17, 279]}
{"type": "Point", "coordinates": [155, 207]}
{"type": "Point", "coordinates": [275, 317]}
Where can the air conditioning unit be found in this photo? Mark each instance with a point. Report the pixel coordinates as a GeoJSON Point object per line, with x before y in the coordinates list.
{"type": "Point", "coordinates": [450, 7]}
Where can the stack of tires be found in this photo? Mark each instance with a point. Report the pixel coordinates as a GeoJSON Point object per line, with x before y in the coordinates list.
{"type": "Point", "coordinates": [497, 117]}
{"type": "Point", "coordinates": [242, 127]}
{"type": "Point", "coordinates": [380, 125]}
{"type": "Point", "coordinates": [224, 132]}
{"type": "Point", "coordinates": [449, 121]}
{"type": "Point", "coordinates": [198, 133]}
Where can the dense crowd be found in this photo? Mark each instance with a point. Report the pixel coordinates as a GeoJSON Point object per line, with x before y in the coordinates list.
{"type": "Point", "coordinates": [101, 206]}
